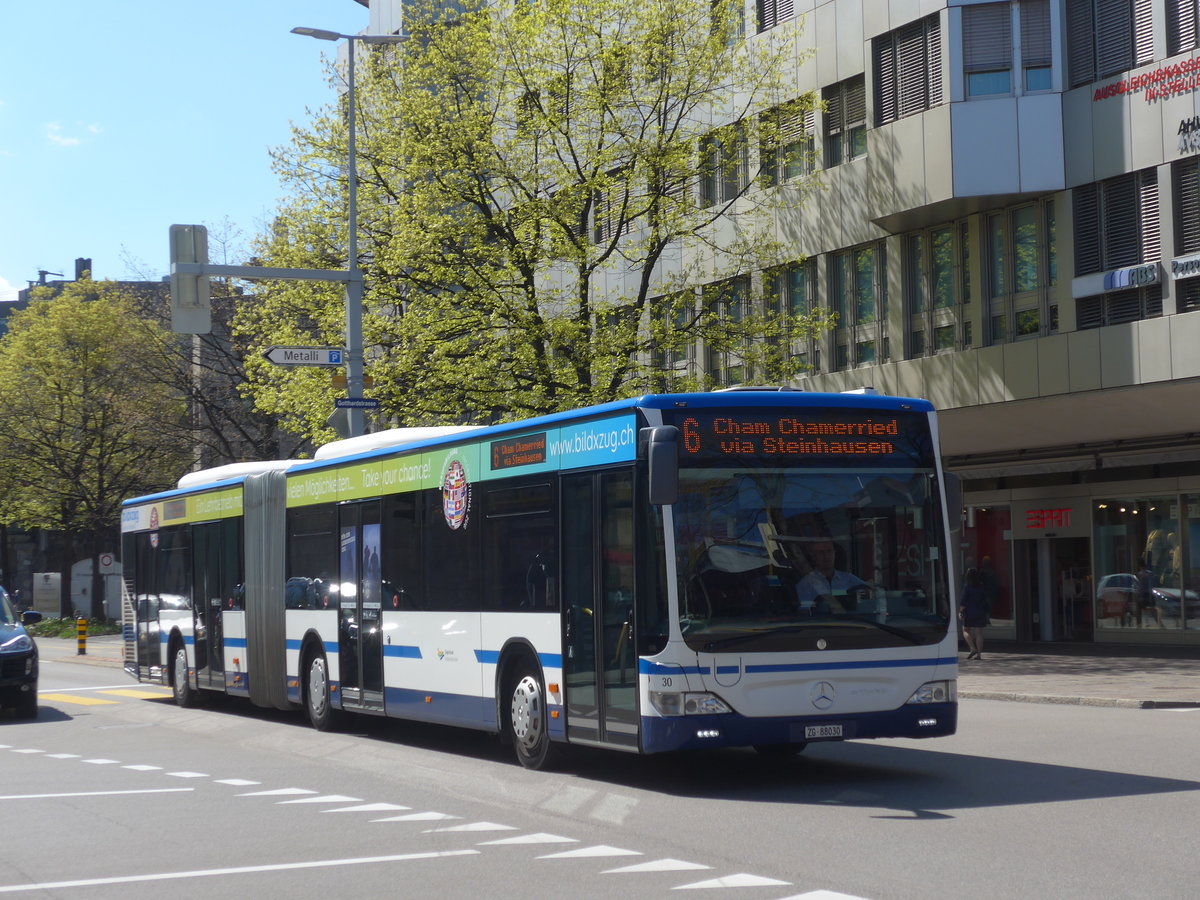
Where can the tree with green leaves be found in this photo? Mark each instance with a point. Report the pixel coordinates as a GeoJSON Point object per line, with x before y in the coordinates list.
{"type": "Point", "coordinates": [82, 416]}
{"type": "Point", "coordinates": [560, 202]}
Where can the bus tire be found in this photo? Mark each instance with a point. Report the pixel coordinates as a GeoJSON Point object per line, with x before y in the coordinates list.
{"type": "Point", "coordinates": [527, 719]}
{"type": "Point", "coordinates": [318, 698]}
{"type": "Point", "coordinates": [185, 694]}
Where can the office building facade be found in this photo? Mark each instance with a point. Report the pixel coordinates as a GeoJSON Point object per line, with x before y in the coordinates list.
{"type": "Point", "coordinates": [1009, 225]}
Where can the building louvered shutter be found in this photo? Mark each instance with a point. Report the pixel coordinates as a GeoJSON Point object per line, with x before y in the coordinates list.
{"type": "Point", "coordinates": [1188, 299]}
{"type": "Point", "coordinates": [1148, 226]}
{"type": "Point", "coordinates": [1114, 33]}
{"type": "Point", "coordinates": [987, 37]}
{"type": "Point", "coordinates": [933, 60]}
{"type": "Point", "coordinates": [767, 14]}
{"type": "Point", "coordinates": [1085, 200]}
{"type": "Point", "coordinates": [1119, 218]}
{"type": "Point", "coordinates": [856, 102]}
{"type": "Point", "coordinates": [785, 10]}
{"type": "Point", "coordinates": [1143, 32]}
{"type": "Point", "coordinates": [1081, 42]}
{"type": "Point", "coordinates": [885, 80]}
{"type": "Point", "coordinates": [1035, 33]}
{"type": "Point", "coordinates": [1181, 26]}
{"type": "Point", "coordinates": [911, 70]}
{"type": "Point", "coordinates": [1122, 306]}
{"type": "Point", "coordinates": [1089, 312]}
{"type": "Point", "coordinates": [1152, 301]}
{"type": "Point", "coordinates": [1185, 175]}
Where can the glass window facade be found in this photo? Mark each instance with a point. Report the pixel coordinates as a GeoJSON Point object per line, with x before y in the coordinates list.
{"type": "Point", "coordinates": [1146, 576]}
{"type": "Point", "coordinates": [986, 546]}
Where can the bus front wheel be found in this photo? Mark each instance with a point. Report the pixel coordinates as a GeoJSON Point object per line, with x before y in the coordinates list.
{"type": "Point", "coordinates": [527, 720]}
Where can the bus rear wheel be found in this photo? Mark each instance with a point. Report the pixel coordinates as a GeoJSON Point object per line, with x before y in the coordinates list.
{"type": "Point", "coordinates": [185, 696]}
{"type": "Point", "coordinates": [318, 699]}
{"type": "Point", "coordinates": [527, 720]}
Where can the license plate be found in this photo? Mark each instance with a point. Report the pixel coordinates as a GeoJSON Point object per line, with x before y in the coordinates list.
{"type": "Point", "coordinates": [820, 732]}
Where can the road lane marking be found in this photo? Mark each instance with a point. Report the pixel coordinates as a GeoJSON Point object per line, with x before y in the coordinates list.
{"type": "Point", "coordinates": [739, 880]}
{"type": "Point", "coordinates": [590, 852]}
{"type": "Point", "coordinates": [658, 865]}
{"type": "Point", "coordinates": [419, 817]}
{"type": "Point", "coordinates": [78, 700]}
{"type": "Point", "coordinates": [239, 870]}
{"type": "Point", "coordinates": [93, 794]}
{"type": "Point", "coordinates": [369, 807]}
{"type": "Point", "coordinates": [140, 694]}
{"type": "Point", "coordinates": [539, 838]}
{"type": "Point", "coordinates": [326, 798]}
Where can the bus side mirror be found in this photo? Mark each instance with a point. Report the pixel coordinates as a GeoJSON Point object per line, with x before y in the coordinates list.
{"type": "Point", "coordinates": [661, 445]}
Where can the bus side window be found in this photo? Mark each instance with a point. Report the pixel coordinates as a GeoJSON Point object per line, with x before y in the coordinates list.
{"type": "Point", "coordinates": [520, 548]}
{"type": "Point", "coordinates": [400, 551]}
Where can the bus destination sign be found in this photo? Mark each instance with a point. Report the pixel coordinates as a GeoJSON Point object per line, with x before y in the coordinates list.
{"type": "Point", "coordinates": [816, 434]}
{"type": "Point", "coordinates": [527, 450]}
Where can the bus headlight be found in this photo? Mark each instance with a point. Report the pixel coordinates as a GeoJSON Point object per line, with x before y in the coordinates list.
{"type": "Point", "coordinates": [936, 692]}
{"type": "Point", "coordinates": [676, 703]}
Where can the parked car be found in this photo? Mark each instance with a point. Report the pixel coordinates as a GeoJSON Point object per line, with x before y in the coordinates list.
{"type": "Point", "coordinates": [18, 659]}
{"type": "Point", "coordinates": [1117, 597]}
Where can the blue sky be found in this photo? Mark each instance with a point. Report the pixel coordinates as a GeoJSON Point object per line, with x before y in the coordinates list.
{"type": "Point", "coordinates": [120, 118]}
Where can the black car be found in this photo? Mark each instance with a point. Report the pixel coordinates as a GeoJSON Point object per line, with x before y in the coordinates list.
{"type": "Point", "coordinates": [18, 659]}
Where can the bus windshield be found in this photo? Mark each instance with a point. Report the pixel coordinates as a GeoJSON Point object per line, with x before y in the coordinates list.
{"type": "Point", "coordinates": [783, 558]}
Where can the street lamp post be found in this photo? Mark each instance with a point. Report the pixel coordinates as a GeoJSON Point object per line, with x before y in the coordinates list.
{"type": "Point", "coordinates": [354, 281]}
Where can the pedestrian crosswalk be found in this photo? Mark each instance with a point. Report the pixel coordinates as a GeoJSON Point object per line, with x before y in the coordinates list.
{"type": "Point", "coordinates": [101, 696]}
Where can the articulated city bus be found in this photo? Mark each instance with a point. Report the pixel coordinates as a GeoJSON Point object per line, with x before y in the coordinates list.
{"type": "Point", "coordinates": [751, 568]}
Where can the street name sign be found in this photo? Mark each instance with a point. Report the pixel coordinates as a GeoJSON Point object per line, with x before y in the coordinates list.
{"type": "Point", "coordinates": [305, 356]}
{"type": "Point", "coordinates": [356, 403]}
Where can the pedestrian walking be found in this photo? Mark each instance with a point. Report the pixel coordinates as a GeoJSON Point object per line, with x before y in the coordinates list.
{"type": "Point", "coordinates": [973, 613]}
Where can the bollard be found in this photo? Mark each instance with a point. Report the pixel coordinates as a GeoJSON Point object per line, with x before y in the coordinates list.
{"type": "Point", "coordinates": [81, 635]}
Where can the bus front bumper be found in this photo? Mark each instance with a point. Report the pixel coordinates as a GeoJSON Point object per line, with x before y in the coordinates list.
{"type": "Point", "coordinates": [732, 730]}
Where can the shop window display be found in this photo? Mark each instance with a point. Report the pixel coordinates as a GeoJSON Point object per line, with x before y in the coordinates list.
{"type": "Point", "coordinates": [1146, 575]}
{"type": "Point", "coordinates": [987, 546]}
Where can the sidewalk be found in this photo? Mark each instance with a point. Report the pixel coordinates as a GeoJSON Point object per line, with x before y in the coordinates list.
{"type": "Point", "coordinates": [1077, 674]}
{"type": "Point", "coordinates": [102, 650]}
{"type": "Point", "coordinates": [1083, 674]}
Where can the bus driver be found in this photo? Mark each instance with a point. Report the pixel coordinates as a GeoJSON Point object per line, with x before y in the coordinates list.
{"type": "Point", "coordinates": [822, 590]}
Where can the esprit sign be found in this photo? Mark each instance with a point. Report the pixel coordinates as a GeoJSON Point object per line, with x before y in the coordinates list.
{"type": "Point", "coordinates": [1050, 517]}
{"type": "Point", "coordinates": [1054, 517]}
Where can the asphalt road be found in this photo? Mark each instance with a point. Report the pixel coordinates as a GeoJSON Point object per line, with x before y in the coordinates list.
{"type": "Point", "coordinates": [115, 792]}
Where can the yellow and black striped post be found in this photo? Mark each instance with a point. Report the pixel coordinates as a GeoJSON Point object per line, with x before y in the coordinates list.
{"type": "Point", "coordinates": [81, 635]}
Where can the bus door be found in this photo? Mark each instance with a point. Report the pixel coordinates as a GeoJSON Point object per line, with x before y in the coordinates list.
{"type": "Point", "coordinates": [360, 635]}
{"type": "Point", "coordinates": [599, 665]}
{"type": "Point", "coordinates": [209, 585]}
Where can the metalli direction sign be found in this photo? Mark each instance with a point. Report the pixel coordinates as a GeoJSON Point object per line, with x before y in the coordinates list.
{"type": "Point", "coordinates": [304, 356]}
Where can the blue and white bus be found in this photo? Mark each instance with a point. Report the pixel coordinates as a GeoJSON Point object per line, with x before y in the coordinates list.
{"type": "Point", "coordinates": [751, 568]}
